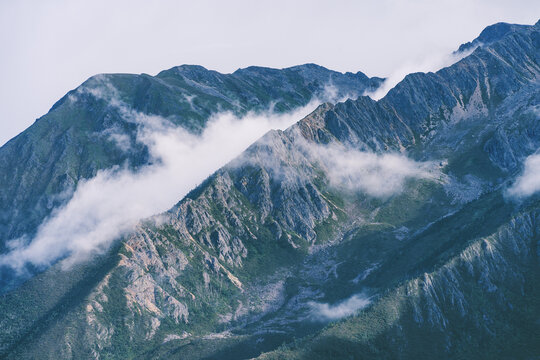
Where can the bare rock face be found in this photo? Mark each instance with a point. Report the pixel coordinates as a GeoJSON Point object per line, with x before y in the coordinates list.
{"type": "Point", "coordinates": [40, 168]}
{"type": "Point", "coordinates": [268, 249]}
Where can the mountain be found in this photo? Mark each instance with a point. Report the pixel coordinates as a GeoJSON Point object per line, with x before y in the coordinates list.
{"type": "Point", "coordinates": [84, 133]}
{"type": "Point", "coordinates": [369, 229]}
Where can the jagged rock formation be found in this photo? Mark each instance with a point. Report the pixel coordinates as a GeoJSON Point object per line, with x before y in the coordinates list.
{"type": "Point", "coordinates": [240, 265]}
{"type": "Point", "coordinates": [83, 133]}
{"type": "Point", "coordinates": [88, 130]}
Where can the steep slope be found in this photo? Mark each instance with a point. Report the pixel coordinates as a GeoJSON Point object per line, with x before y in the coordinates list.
{"type": "Point", "coordinates": [270, 247]}
{"type": "Point", "coordinates": [481, 303]}
{"type": "Point", "coordinates": [464, 287]}
{"type": "Point", "coordinates": [82, 133]}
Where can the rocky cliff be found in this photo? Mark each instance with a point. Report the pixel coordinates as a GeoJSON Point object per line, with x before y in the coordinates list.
{"type": "Point", "coordinates": [426, 257]}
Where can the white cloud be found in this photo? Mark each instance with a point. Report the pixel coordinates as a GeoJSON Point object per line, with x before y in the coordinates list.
{"type": "Point", "coordinates": [528, 182]}
{"type": "Point", "coordinates": [378, 175]}
{"type": "Point", "coordinates": [348, 307]}
{"type": "Point", "coordinates": [109, 205]}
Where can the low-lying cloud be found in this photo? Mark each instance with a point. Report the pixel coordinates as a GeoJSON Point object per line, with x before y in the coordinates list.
{"type": "Point", "coordinates": [109, 205]}
{"type": "Point", "coordinates": [290, 158]}
{"type": "Point", "coordinates": [348, 307]}
{"type": "Point", "coordinates": [432, 63]}
{"type": "Point", "coordinates": [528, 182]}
{"type": "Point", "coordinates": [378, 175]}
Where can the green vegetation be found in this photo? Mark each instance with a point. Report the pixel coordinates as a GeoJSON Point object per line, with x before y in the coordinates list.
{"type": "Point", "coordinates": [450, 265]}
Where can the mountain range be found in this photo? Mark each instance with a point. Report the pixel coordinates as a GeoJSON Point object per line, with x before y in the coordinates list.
{"type": "Point", "coordinates": [402, 228]}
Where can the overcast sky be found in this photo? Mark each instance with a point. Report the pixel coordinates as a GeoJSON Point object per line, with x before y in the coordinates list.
{"type": "Point", "coordinates": [49, 47]}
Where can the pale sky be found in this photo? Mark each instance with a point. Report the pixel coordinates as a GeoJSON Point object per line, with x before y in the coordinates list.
{"type": "Point", "coordinates": [51, 46]}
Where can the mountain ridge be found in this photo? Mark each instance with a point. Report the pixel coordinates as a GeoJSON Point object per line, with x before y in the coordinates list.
{"type": "Point", "coordinates": [149, 96]}
{"type": "Point", "coordinates": [233, 270]}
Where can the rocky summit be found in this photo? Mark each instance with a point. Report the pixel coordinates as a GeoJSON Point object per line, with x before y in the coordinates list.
{"type": "Point", "coordinates": [403, 228]}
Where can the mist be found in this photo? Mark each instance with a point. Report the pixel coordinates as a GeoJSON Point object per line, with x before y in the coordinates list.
{"type": "Point", "coordinates": [111, 204]}
{"type": "Point", "coordinates": [378, 175]}
{"type": "Point", "coordinates": [528, 182]}
{"type": "Point", "coordinates": [348, 307]}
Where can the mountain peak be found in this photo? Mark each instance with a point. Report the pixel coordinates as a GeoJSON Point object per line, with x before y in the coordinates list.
{"type": "Point", "coordinates": [495, 32]}
{"type": "Point", "coordinates": [391, 219]}
{"type": "Point", "coordinates": [190, 71]}
{"type": "Point", "coordinates": [491, 34]}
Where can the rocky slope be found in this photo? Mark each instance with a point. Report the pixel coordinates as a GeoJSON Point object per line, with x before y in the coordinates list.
{"type": "Point", "coordinates": [83, 132]}
{"type": "Point", "coordinates": [480, 303]}
{"type": "Point", "coordinates": [91, 129]}
{"type": "Point", "coordinates": [271, 248]}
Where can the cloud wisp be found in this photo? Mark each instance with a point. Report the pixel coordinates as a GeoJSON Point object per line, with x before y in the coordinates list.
{"type": "Point", "coordinates": [290, 158]}
{"type": "Point", "coordinates": [347, 307]}
{"type": "Point", "coordinates": [528, 182]}
{"type": "Point", "coordinates": [378, 175]}
{"type": "Point", "coordinates": [109, 205]}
